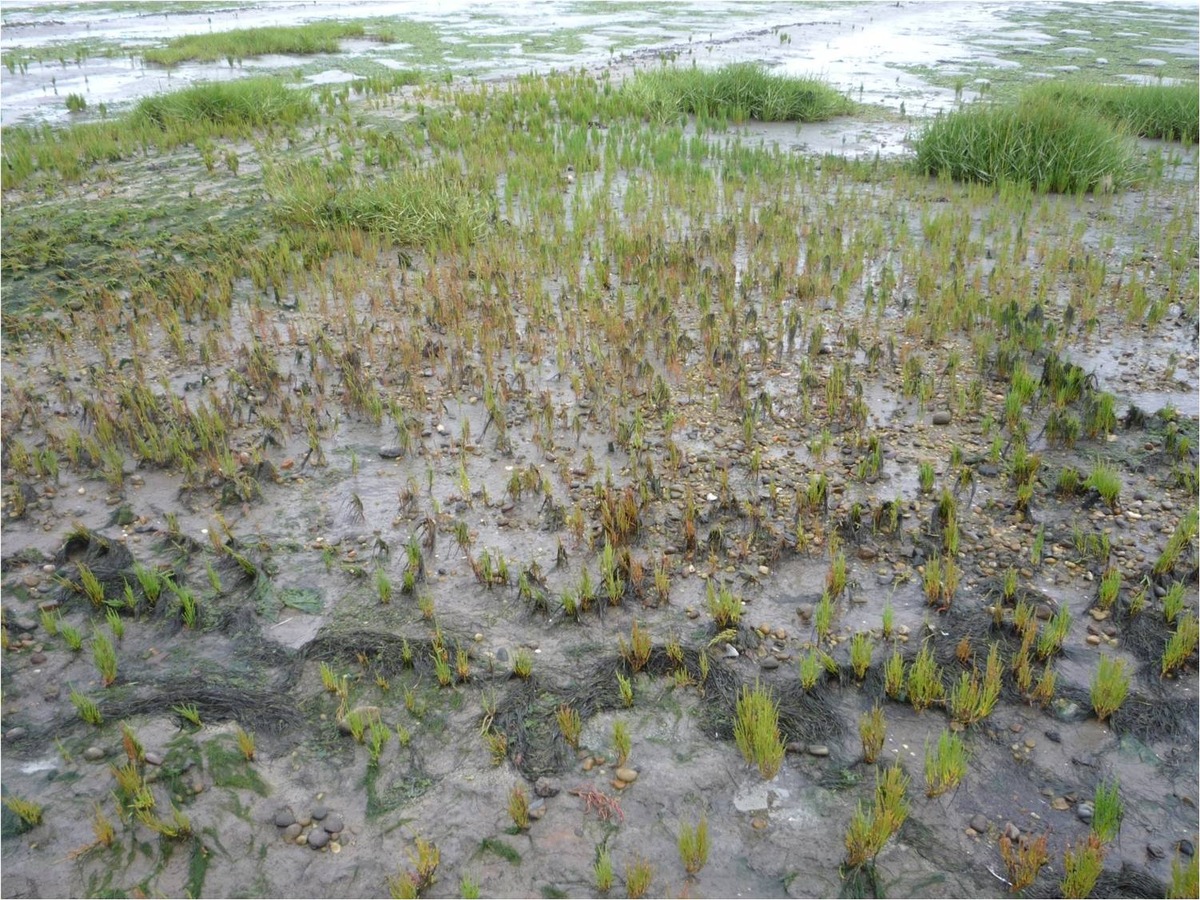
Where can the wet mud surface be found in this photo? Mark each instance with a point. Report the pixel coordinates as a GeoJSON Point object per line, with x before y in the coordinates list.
{"type": "Point", "coordinates": [745, 382]}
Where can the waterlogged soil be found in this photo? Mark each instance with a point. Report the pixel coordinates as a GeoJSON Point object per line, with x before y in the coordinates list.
{"type": "Point", "coordinates": [295, 550]}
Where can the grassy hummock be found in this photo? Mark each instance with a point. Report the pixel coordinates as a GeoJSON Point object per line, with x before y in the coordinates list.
{"type": "Point", "coordinates": [246, 43]}
{"type": "Point", "coordinates": [736, 92]}
{"type": "Point", "coordinates": [1170, 112]}
{"type": "Point", "coordinates": [247, 102]}
{"type": "Point", "coordinates": [1037, 142]}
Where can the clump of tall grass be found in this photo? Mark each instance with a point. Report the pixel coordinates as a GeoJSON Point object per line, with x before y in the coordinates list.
{"type": "Point", "coordinates": [245, 43]}
{"type": "Point", "coordinates": [234, 105]}
{"type": "Point", "coordinates": [411, 208]}
{"type": "Point", "coordinates": [737, 92]}
{"type": "Point", "coordinates": [1050, 146]}
{"type": "Point", "coordinates": [1170, 111]}
{"type": "Point", "coordinates": [197, 113]}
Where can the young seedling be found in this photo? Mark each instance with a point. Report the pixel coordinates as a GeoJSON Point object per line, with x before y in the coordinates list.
{"type": "Point", "coordinates": [693, 845]}
{"type": "Point", "coordinates": [1110, 685]}
{"type": "Point", "coordinates": [945, 764]}
{"type": "Point", "coordinates": [756, 730]}
{"type": "Point", "coordinates": [638, 875]}
{"type": "Point", "coordinates": [872, 729]}
{"type": "Point", "coordinates": [518, 807]}
{"type": "Point", "coordinates": [1107, 810]}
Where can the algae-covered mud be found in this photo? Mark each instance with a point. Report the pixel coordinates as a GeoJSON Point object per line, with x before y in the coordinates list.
{"type": "Point", "coordinates": [594, 481]}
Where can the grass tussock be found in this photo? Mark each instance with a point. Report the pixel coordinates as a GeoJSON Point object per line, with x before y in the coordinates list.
{"type": "Point", "coordinates": [246, 103]}
{"type": "Point", "coordinates": [196, 114]}
{"type": "Point", "coordinates": [411, 208]}
{"type": "Point", "coordinates": [1170, 112]}
{"type": "Point", "coordinates": [246, 43]}
{"type": "Point", "coordinates": [736, 92]}
{"type": "Point", "coordinates": [1039, 142]}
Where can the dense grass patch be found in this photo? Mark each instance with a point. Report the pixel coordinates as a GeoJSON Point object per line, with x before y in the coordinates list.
{"type": "Point", "coordinates": [244, 43]}
{"type": "Point", "coordinates": [1171, 112]}
{"type": "Point", "coordinates": [411, 208]}
{"type": "Point", "coordinates": [247, 102]}
{"type": "Point", "coordinates": [737, 92]}
{"type": "Point", "coordinates": [199, 113]}
{"type": "Point", "coordinates": [1039, 142]}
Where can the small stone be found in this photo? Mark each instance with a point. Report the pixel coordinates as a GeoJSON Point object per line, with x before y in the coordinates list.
{"type": "Point", "coordinates": [980, 823]}
{"type": "Point", "coordinates": [1093, 639]}
{"type": "Point", "coordinates": [1053, 737]}
{"type": "Point", "coordinates": [301, 840]}
{"type": "Point", "coordinates": [804, 611]}
{"type": "Point", "coordinates": [501, 655]}
{"type": "Point", "coordinates": [37, 659]}
{"type": "Point", "coordinates": [731, 652]}
{"type": "Point", "coordinates": [1030, 743]}
{"type": "Point", "coordinates": [626, 774]}
{"type": "Point", "coordinates": [1012, 832]}
{"type": "Point", "coordinates": [537, 809]}
{"type": "Point", "coordinates": [1155, 851]}
{"type": "Point", "coordinates": [618, 784]}
{"type": "Point", "coordinates": [291, 833]}
{"type": "Point", "coordinates": [1016, 727]}
{"type": "Point", "coordinates": [970, 832]}
{"type": "Point", "coordinates": [1187, 848]}
{"type": "Point", "coordinates": [93, 754]}
{"type": "Point", "coordinates": [318, 838]}
{"type": "Point", "coordinates": [545, 787]}
{"type": "Point", "coordinates": [304, 818]}
{"type": "Point", "coordinates": [283, 817]}
{"type": "Point", "coordinates": [758, 823]}
{"type": "Point", "coordinates": [1060, 803]}
{"type": "Point", "coordinates": [335, 847]}
{"type": "Point", "coordinates": [319, 811]}
{"type": "Point", "coordinates": [1085, 811]}
{"type": "Point", "coordinates": [769, 663]}
{"type": "Point", "coordinates": [941, 417]}
{"type": "Point", "coordinates": [153, 759]}
{"type": "Point", "coordinates": [588, 763]}
{"type": "Point", "coordinates": [333, 823]}
{"type": "Point", "coordinates": [817, 750]}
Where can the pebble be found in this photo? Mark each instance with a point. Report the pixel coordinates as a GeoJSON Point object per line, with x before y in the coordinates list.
{"type": "Point", "coordinates": [731, 652]}
{"type": "Point", "coordinates": [291, 833]}
{"type": "Point", "coordinates": [758, 823]}
{"type": "Point", "coordinates": [941, 417]}
{"type": "Point", "coordinates": [1187, 848]}
{"type": "Point", "coordinates": [1012, 832]}
{"type": "Point", "coordinates": [627, 775]}
{"type": "Point", "coordinates": [618, 784]}
{"type": "Point", "coordinates": [980, 823]}
{"type": "Point", "coordinates": [1155, 851]}
{"type": "Point", "coordinates": [1060, 803]}
{"type": "Point", "coordinates": [153, 759]}
{"type": "Point", "coordinates": [545, 787]}
{"type": "Point", "coordinates": [93, 754]}
{"type": "Point", "coordinates": [818, 750]}
{"type": "Point", "coordinates": [319, 811]}
{"type": "Point", "coordinates": [333, 823]}
{"type": "Point", "coordinates": [1084, 811]}
{"type": "Point", "coordinates": [770, 663]}
{"type": "Point", "coordinates": [1093, 639]}
{"type": "Point", "coordinates": [318, 838]}
{"type": "Point", "coordinates": [14, 734]}
{"type": "Point", "coordinates": [37, 659]}
{"type": "Point", "coordinates": [537, 809]}
{"type": "Point", "coordinates": [304, 818]}
{"type": "Point", "coordinates": [588, 763]}
{"type": "Point", "coordinates": [283, 817]}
